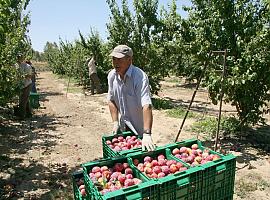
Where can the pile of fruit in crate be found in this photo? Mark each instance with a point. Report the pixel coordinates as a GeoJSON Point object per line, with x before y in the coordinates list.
{"type": "Point", "coordinates": [194, 156]}
{"type": "Point", "coordinates": [111, 179]}
{"type": "Point", "coordinates": [119, 143]}
{"type": "Point", "coordinates": [159, 167]}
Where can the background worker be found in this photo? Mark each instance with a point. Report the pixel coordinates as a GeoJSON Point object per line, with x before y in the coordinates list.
{"type": "Point", "coordinates": [33, 78]}
{"type": "Point", "coordinates": [129, 95]}
{"type": "Point", "coordinates": [26, 85]}
{"type": "Point", "coordinates": [94, 79]}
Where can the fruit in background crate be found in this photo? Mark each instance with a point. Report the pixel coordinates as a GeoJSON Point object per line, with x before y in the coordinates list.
{"type": "Point", "coordinates": [118, 167]}
{"type": "Point", "coordinates": [158, 167]}
{"type": "Point", "coordinates": [194, 146]}
{"type": "Point", "coordinates": [81, 186]}
{"type": "Point", "coordinates": [119, 143]}
{"type": "Point", "coordinates": [106, 179]}
{"type": "Point", "coordinates": [128, 171]}
{"type": "Point", "coordinates": [194, 156]}
{"type": "Point", "coordinates": [136, 162]}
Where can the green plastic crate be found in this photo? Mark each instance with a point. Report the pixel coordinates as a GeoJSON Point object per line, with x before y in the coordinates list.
{"type": "Point", "coordinates": [34, 100]}
{"type": "Point", "coordinates": [218, 178]}
{"type": "Point", "coordinates": [183, 185]}
{"type": "Point", "coordinates": [77, 194]}
{"type": "Point", "coordinates": [109, 153]}
{"type": "Point", "coordinates": [148, 189]}
{"type": "Point", "coordinates": [218, 175]}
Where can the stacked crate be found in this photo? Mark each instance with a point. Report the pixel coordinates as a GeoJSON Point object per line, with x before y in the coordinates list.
{"type": "Point", "coordinates": [213, 180]}
{"type": "Point", "coordinates": [218, 175]}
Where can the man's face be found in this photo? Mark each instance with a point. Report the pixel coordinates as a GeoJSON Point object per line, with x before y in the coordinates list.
{"type": "Point", "coordinates": [121, 64]}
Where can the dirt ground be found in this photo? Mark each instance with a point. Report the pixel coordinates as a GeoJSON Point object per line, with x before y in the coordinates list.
{"type": "Point", "coordinates": [39, 155]}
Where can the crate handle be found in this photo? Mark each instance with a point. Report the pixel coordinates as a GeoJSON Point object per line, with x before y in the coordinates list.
{"type": "Point", "coordinates": [183, 182]}
{"type": "Point", "coordinates": [221, 168]}
{"type": "Point", "coordinates": [180, 173]}
{"type": "Point", "coordinates": [134, 195]}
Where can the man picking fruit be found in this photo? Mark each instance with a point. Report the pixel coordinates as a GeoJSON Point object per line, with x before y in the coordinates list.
{"type": "Point", "coordinates": [129, 95]}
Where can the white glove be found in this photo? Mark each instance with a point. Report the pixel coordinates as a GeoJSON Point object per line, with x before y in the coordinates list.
{"type": "Point", "coordinates": [116, 128]}
{"type": "Point", "coordinates": [147, 142]}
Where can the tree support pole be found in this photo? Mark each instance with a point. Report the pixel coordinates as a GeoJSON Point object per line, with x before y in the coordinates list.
{"type": "Point", "coordinates": [193, 96]}
{"type": "Point", "coordinates": [68, 85]}
{"type": "Point", "coordinates": [221, 96]}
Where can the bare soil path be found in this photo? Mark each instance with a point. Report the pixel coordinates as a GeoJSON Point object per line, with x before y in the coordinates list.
{"type": "Point", "coordinates": [39, 155]}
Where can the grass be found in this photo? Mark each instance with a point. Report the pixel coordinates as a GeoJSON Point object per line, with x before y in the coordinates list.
{"type": "Point", "coordinates": [180, 113]}
{"type": "Point", "coordinates": [171, 110]}
{"type": "Point", "coordinates": [250, 183]}
{"type": "Point", "coordinates": [243, 188]}
{"type": "Point", "coordinates": [66, 77]}
{"type": "Point", "coordinates": [208, 126]}
{"type": "Point", "coordinates": [73, 88]}
{"type": "Point", "coordinates": [161, 104]}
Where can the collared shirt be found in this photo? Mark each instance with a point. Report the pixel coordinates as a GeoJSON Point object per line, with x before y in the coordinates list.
{"type": "Point", "coordinates": [130, 95]}
{"type": "Point", "coordinates": [92, 66]}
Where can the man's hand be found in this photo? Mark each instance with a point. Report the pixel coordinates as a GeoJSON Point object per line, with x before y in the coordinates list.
{"type": "Point", "coordinates": [116, 127]}
{"type": "Point", "coordinates": [147, 142]}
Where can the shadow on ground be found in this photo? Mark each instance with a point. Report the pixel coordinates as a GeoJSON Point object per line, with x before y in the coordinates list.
{"type": "Point", "coordinates": [188, 85]}
{"type": "Point", "coordinates": [21, 172]}
{"type": "Point", "coordinates": [197, 106]}
{"type": "Point", "coordinates": [257, 138]}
